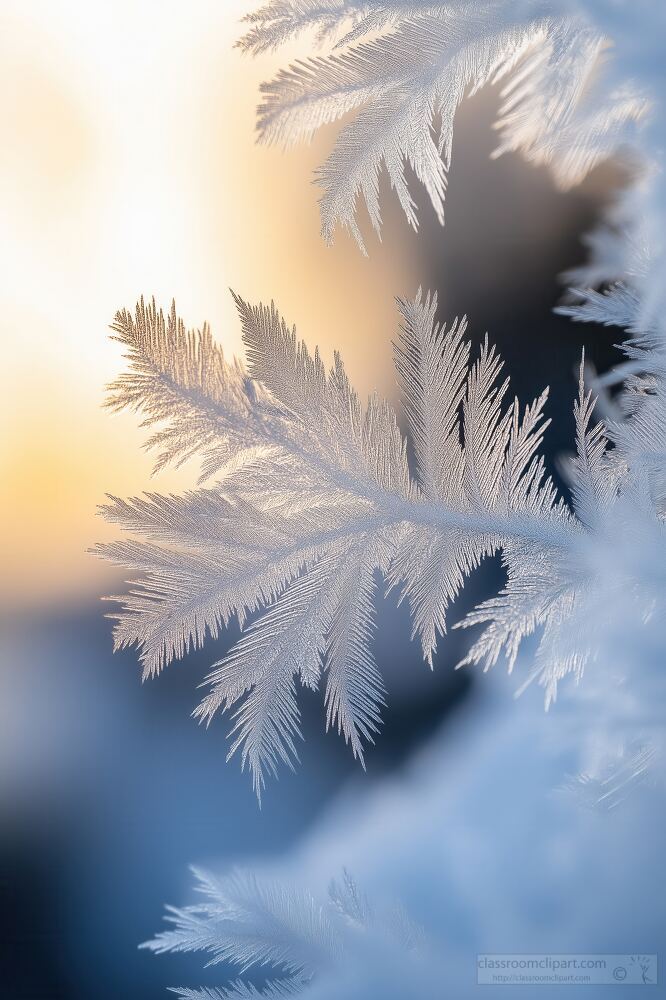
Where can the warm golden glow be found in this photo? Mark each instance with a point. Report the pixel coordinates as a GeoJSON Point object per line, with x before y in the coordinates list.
{"type": "Point", "coordinates": [129, 167]}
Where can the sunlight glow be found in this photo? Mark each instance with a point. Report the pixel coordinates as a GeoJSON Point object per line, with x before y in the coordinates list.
{"type": "Point", "coordinates": [129, 167]}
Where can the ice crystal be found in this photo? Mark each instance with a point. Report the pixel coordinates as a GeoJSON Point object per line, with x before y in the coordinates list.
{"type": "Point", "coordinates": [252, 922]}
{"type": "Point", "coordinates": [309, 499]}
{"type": "Point", "coordinates": [404, 67]}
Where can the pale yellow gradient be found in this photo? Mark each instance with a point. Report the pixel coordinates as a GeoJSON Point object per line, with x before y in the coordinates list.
{"type": "Point", "coordinates": [128, 166]}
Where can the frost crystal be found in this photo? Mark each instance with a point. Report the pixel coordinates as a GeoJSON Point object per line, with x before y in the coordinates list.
{"type": "Point", "coordinates": [309, 499]}
{"type": "Point", "coordinates": [253, 922]}
{"type": "Point", "coordinates": [405, 66]}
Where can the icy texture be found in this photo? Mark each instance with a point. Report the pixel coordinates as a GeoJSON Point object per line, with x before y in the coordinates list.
{"type": "Point", "coordinates": [470, 837]}
{"type": "Point", "coordinates": [405, 67]}
{"type": "Point", "coordinates": [254, 922]}
{"type": "Point", "coordinates": [580, 81]}
{"type": "Point", "coordinates": [310, 500]}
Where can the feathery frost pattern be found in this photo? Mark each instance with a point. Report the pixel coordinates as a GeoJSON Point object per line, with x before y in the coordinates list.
{"type": "Point", "coordinates": [309, 501]}
{"type": "Point", "coordinates": [253, 922]}
{"type": "Point", "coordinates": [404, 67]}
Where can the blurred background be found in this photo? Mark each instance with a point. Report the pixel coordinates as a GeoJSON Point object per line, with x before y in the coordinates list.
{"type": "Point", "coordinates": [129, 167]}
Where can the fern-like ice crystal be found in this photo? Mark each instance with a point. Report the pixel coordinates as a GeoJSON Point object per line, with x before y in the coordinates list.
{"type": "Point", "coordinates": [404, 66]}
{"type": "Point", "coordinates": [253, 922]}
{"type": "Point", "coordinates": [308, 500]}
